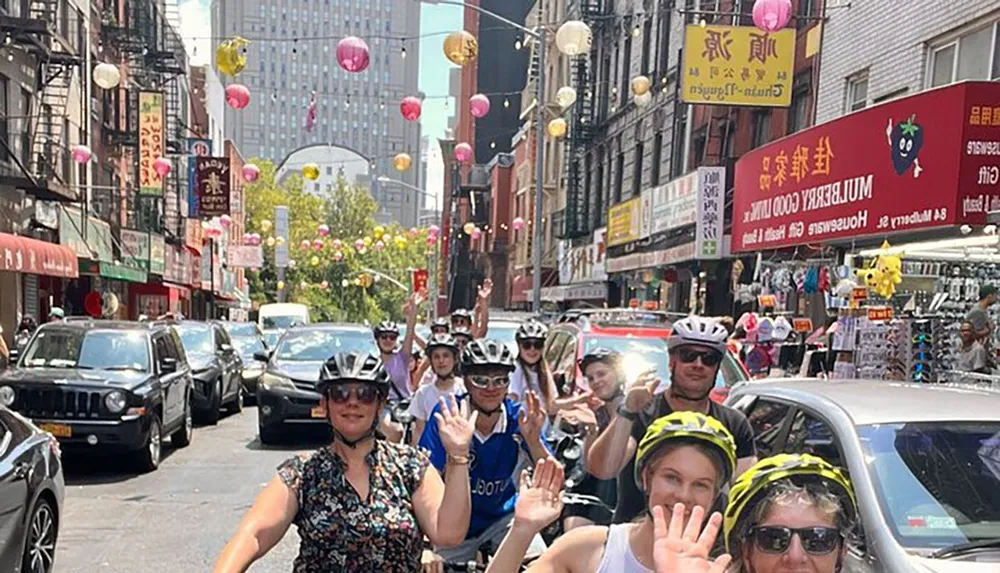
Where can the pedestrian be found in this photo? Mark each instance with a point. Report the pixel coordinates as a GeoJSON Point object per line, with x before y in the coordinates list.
{"type": "Point", "coordinates": [56, 314]}
{"type": "Point", "coordinates": [361, 503]}
{"type": "Point", "coordinates": [979, 316]}
{"type": "Point", "coordinates": [972, 355]}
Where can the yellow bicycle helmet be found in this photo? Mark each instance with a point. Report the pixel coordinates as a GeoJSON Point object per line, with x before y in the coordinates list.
{"type": "Point", "coordinates": [691, 426]}
{"type": "Point", "coordinates": [800, 468]}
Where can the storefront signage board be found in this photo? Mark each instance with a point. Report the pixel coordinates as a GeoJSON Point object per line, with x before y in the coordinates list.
{"type": "Point", "coordinates": [151, 142]}
{"type": "Point", "coordinates": [212, 185]}
{"type": "Point", "coordinates": [246, 257]}
{"type": "Point", "coordinates": [674, 204]}
{"type": "Point", "coordinates": [711, 212]}
{"type": "Point", "coordinates": [625, 222]}
{"type": "Point", "coordinates": [928, 160]}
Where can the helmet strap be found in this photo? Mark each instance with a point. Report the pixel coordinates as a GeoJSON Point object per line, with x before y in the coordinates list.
{"type": "Point", "coordinates": [353, 444]}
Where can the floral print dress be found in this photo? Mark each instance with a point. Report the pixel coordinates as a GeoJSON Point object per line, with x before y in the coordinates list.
{"type": "Point", "coordinates": [342, 532]}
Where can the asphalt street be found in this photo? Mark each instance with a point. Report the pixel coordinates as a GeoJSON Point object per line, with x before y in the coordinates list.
{"type": "Point", "coordinates": [177, 518]}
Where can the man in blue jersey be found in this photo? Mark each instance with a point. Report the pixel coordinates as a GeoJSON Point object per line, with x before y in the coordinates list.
{"type": "Point", "coordinates": [506, 434]}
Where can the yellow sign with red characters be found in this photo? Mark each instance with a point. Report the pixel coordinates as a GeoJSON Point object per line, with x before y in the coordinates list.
{"type": "Point", "coordinates": [738, 65]}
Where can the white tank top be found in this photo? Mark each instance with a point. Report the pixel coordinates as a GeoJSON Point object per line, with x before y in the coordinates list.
{"type": "Point", "coordinates": [618, 556]}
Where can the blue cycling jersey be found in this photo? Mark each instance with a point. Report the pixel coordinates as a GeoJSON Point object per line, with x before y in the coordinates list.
{"type": "Point", "coordinates": [493, 460]}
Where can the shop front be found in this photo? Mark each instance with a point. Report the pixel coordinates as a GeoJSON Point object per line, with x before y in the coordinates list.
{"type": "Point", "coordinates": [21, 258]}
{"type": "Point", "coordinates": [174, 294]}
{"type": "Point", "coordinates": [666, 248]}
{"type": "Point", "coordinates": [583, 281]}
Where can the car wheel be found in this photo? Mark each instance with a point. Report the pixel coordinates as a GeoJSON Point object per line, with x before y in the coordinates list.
{"type": "Point", "coordinates": [268, 435]}
{"type": "Point", "coordinates": [212, 416]}
{"type": "Point", "coordinates": [40, 540]}
{"type": "Point", "coordinates": [237, 405]}
{"type": "Point", "coordinates": [182, 437]}
{"type": "Point", "coordinates": [148, 458]}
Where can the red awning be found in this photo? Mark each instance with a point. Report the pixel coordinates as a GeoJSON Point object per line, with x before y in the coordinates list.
{"type": "Point", "coordinates": [24, 255]}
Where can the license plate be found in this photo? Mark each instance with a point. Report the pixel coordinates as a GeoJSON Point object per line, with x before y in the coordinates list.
{"type": "Point", "coordinates": [58, 430]}
{"type": "Point", "coordinates": [319, 412]}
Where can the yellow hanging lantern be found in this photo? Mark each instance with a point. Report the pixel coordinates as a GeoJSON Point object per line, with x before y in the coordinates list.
{"type": "Point", "coordinates": [310, 171]}
{"type": "Point", "coordinates": [229, 56]}
{"type": "Point", "coordinates": [265, 225]}
{"type": "Point", "coordinates": [461, 48]}
{"type": "Point", "coordinates": [641, 85]}
{"type": "Point", "coordinates": [557, 128]}
{"type": "Point", "coordinates": [469, 228]}
{"type": "Point", "coordinates": [281, 285]}
{"type": "Point", "coordinates": [279, 241]}
{"type": "Point", "coordinates": [400, 241]}
{"type": "Point", "coordinates": [271, 241]}
{"type": "Point", "coordinates": [367, 241]}
{"type": "Point", "coordinates": [386, 238]}
{"type": "Point", "coordinates": [314, 261]}
{"type": "Point", "coordinates": [378, 232]}
{"type": "Point", "coordinates": [402, 162]}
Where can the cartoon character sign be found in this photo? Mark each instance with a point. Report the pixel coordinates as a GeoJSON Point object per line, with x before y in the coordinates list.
{"type": "Point", "coordinates": [905, 141]}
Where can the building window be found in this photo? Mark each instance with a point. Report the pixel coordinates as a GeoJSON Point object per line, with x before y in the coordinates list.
{"type": "Point", "coordinates": [857, 93]}
{"type": "Point", "coordinates": [761, 127]}
{"type": "Point", "coordinates": [798, 113]}
{"type": "Point", "coordinates": [600, 189]}
{"type": "Point", "coordinates": [699, 144]}
{"type": "Point", "coordinates": [804, 13]}
{"type": "Point", "coordinates": [890, 96]}
{"type": "Point", "coordinates": [972, 56]}
{"type": "Point", "coordinates": [654, 172]}
{"type": "Point", "coordinates": [626, 64]}
{"type": "Point", "coordinates": [619, 177]}
{"type": "Point", "coordinates": [637, 170]}
{"type": "Point", "coordinates": [647, 40]}
{"type": "Point", "coordinates": [4, 114]}
{"type": "Point", "coordinates": [663, 43]}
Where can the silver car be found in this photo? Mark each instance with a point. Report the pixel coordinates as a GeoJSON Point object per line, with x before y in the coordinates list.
{"type": "Point", "coordinates": [925, 461]}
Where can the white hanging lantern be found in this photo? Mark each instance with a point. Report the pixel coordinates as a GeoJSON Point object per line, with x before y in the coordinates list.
{"type": "Point", "coordinates": [107, 76]}
{"type": "Point", "coordinates": [644, 99]}
{"type": "Point", "coordinates": [573, 38]}
{"type": "Point", "coordinates": [566, 96]}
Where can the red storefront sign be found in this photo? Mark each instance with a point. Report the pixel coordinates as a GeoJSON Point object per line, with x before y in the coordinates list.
{"type": "Point", "coordinates": [27, 255]}
{"type": "Point", "coordinates": [929, 160]}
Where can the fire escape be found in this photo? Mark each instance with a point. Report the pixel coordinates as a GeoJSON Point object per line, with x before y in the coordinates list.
{"type": "Point", "coordinates": [585, 128]}
{"type": "Point", "coordinates": [140, 36]}
{"type": "Point", "coordinates": [51, 34]}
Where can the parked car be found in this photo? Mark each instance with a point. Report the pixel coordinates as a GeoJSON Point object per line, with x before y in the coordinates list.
{"type": "Point", "coordinates": [924, 461]}
{"type": "Point", "coordinates": [286, 395]}
{"type": "Point", "coordinates": [504, 331]}
{"type": "Point", "coordinates": [31, 494]}
{"type": "Point", "coordinates": [241, 329]}
{"type": "Point", "coordinates": [216, 367]}
{"type": "Point", "coordinates": [119, 386]}
{"type": "Point", "coordinates": [640, 337]}
{"type": "Point", "coordinates": [248, 347]}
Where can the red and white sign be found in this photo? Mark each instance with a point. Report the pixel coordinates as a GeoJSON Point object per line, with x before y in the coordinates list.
{"type": "Point", "coordinates": [929, 160]}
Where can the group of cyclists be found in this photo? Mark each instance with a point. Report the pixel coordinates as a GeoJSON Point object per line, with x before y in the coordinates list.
{"type": "Point", "coordinates": [688, 492]}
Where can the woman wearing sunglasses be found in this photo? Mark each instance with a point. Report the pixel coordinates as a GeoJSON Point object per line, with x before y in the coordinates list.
{"type": "Point", "coordinates": [531, 372]}
{"type": "Point", "coordinates": [685, 458]}
{"type": "Point", "coordinates": [787, 514]}
{"type": "Point", "coordinates": [361, 503]}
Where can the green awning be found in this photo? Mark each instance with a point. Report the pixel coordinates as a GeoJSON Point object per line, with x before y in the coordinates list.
{"type": "Point", "coordinates": [123, 273]}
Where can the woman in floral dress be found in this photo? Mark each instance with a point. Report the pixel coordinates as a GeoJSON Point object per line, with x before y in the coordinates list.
{"type": "Point", "coordinates": [361, 503]}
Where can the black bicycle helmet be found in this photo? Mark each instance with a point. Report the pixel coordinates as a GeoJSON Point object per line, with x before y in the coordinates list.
{"type": "Point", "coordinates": [353, 368]}
{"type": "Point", "coordinates": [462, 332]}
{"type": "Point", "coordinates": [531, 330]}
{"type": "Point", "coordinates": [386, 327]}
{"type": "Point", "coordinates": [441, 322]}
{"type": "Point", "coordinates": [486, 354]}
{"type": "Point", "coordinates": [610, 357]}
{"type": "Point", "coordinates": [442, 341]}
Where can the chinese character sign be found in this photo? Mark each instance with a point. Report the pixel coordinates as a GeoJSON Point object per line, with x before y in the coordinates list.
{"type": "Point", "coordinates": [738, 65]}
{"type": "Point", "coordinates": [625, 222]}
{"type": "Point", "coordinates": [711, 205]}
{"type": "Point", "coordinates": [151, 142]}
{"type": "Point", "coordinates": [212, 186]}
{"type": "Point", "coordinates": [195, 148]}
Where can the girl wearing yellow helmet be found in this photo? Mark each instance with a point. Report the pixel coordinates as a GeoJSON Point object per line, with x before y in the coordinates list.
{"type": "Point", "coordinates": [685, 457]}
{"type": "Point", "coordinates": [786, 513]}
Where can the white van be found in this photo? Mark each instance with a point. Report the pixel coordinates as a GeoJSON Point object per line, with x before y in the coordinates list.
{"type": "Point", "coordinates": [279, 316]}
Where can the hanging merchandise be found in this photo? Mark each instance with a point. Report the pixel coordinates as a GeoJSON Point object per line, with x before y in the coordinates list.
{"type": "Point", "coordinates": [353, 54]}
{"type": "Point", "coordinates": [230, 56]}
{"type": "Point", "coordinates": [479, 105]}
{"type": "Point", "coordinates": [410, 107]}
{"type": "Point", "coordinates": [311, 112]}
{"type": "Point", "coordinates": [810, 284]}
{"type": "Point", "coordinates": [461, 48]}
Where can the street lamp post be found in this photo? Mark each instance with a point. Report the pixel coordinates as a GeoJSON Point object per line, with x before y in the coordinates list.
{"type": "Point", "coordinates": [434, 264]}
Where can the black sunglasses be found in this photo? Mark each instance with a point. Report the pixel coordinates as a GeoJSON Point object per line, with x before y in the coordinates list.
{"type": "Point", "coordinates": [708, 357]}
{"type": "Point", "coordinates": [815, 540]}
{"type": "Point", "coordinates": [484, 382]}
{"type": "Point", "coordinates": [388, 336]}
{"type": "Point", "coordinates": [531, 344]}
{"type": "Point", "coordinates": [365, 394]}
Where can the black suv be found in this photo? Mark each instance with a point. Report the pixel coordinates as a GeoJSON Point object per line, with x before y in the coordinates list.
{"type": "Point", "coordinates": [216, 366]}
{"type": "Point", "coordinates": [104, 384]}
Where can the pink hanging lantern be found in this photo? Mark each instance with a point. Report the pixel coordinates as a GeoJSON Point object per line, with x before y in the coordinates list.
{"type": "Point", "coordinates": [292, 264]}
{"type": "Point", "coordinates": [359, 245]}
{"type": "Point", "coordinates": [237, 96]}
{"type": "Point", "coordinates": [318, 244]}
{"type": "Point", "coordinates": [479, 105]}
{"type": "Point", "coordinates": [305, 244]}
{"type": "Point", "coordinates": [432, 239]}
{"type": "Point", "coordinates": [476, 233]}
{"type": "Point", "coordinates": [353, 54]}
{"type": "Point", "coordinates": [251, 172]}
{"type": "Point", "coordinates": [434, 230]}
{"type": "Point", "coordinates": [162, 166]}
{"type": "Point", "coordinates": [338, 256]}
{"type": "Point", "coordinates": [255, 237]}
{"type": "Point", "coordinates": [772, 15]}
{"type": "Point", "coordinates": [323, 230]}
{"type": "Point", "coordinates": [410, 107]}
{"type": "Point", "coordinates": [247, 239]}
{"type": "Point", "coordinates": [413, 232]}
{"type": "Point", "coordinates": [517, 223]}
{"type": "Point", "coordinates": [337, 244]}
{"type": "Point", "coordinates": [379, 245]}
{"type": "Point", "coordinates": [81, 153]}
{"type": "Point", "coordinates": [324, 285]}
{"type": "Point", "coordinates": [463, 152]}
{"type": "Point", "coordinates": [225, 221]}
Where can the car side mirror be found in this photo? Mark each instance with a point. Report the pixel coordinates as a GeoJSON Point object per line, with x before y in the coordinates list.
{"type": "Point", "coordinates": [14, 354]}
{"type": "Point", "coordinates": [227, 348]}
{"type": "Point", "coordinates": [262, 355]}
{"type": "Point", "coordinates": [168, 365]}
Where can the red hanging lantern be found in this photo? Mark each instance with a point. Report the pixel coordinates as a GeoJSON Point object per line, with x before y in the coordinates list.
{"type": "Point", "coordinates": [237, 96]}
{"type": "Point", "coordinates": [410, 107]}
{"type": "Point", "coordinates": [353, 54]}
{"type": "Point", "coordinates": [162, 166]}
{"type": "Point", "coordinates": [772, 15]}
{"type": "Point", "coordinates": [251, 172]}
{"type": "Point", "coordinates": [463, 153]}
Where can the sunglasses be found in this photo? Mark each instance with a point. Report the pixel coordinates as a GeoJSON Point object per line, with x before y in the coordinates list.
{"type": "Point", "coordinates": [391, 337]}
{"type": "Point", "coordinates": [485, 382]}
{"type": "Point", "coordinates": [532, 344]}
{"type": "Point", "coordinates": [365, 394]}
{"type": "Point", "coordinates": [708, 357]}
{"type": "Point", "coordinates": [815, 540]}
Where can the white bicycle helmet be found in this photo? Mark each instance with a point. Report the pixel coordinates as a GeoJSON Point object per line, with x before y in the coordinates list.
{"type": "Point", "coordinates": [698, 330]}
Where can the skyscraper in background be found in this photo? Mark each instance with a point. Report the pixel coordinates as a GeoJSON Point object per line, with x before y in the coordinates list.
{"type": "Point", "coordinates": [293, 54]}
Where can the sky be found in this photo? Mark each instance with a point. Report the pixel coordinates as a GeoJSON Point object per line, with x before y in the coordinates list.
{"type": "Point", "coordinates": [435, 22]}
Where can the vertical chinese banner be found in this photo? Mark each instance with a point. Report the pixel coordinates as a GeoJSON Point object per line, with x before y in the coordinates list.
{"type": "Point", "coordinates": [151, 142]}
{"type": "Point", "coordinates": [419, 280]}
{"type": "Point", "coordinates": [195, 148]}
{"type": "Point", "coordinates": [711, 203]}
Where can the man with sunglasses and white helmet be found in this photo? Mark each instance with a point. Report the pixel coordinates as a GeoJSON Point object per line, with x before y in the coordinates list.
{"type": "Point", "coordinates": [506, 434]}
{"type": "Point", "coordinates": [696, 348]}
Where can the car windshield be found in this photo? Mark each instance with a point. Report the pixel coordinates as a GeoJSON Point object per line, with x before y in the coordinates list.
{"type": "Point", "coordinates": [278, 321]}
{"type": "Point", "coordinates": [271, 338]}
{"type": "Point", "coordinates": [320, 344]}
{"type": "Point", "coordinates": [938, 483]}
{"type": "Point", "coordinates": [196, 338]}
{"type": "Point", "coordinates": [504, 332]}
{"type": "Point", "coordinates": [240, 328]}
{"type": "Point", "coordinates": [92, 350]}
{"type": "Point", "coordinates": [247, 345]}
{"type": "Point", "coordinates": [642, 354]}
